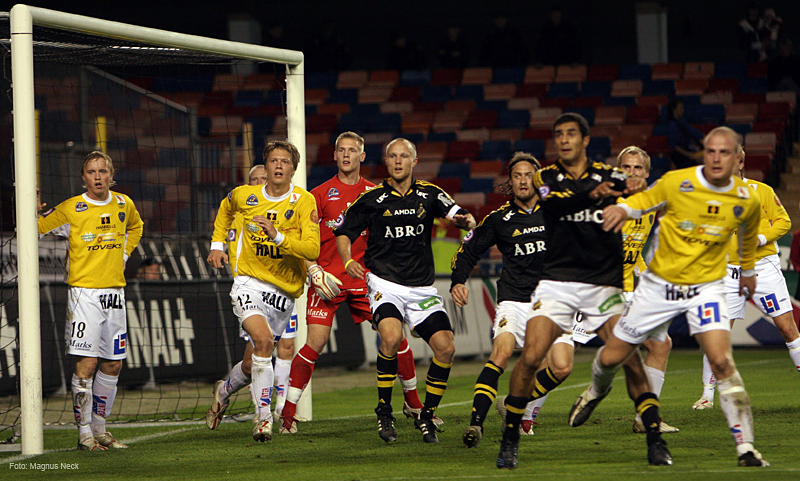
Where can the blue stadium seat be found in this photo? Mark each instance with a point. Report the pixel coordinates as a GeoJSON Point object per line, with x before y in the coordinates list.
{"type": "Point", "coordinates": [737, 70]}
{"type": "Point", "coordinates": [658, 87]}
{"type": "Point", "coordinates": [384, 123]}
{"type": "Point", "coordinates": [707, 114]}
{"type": "Point", "coordinates": [249, 98]}
{"type": "Point", "coordinates": [436, 93]}
{"type": "Point", "coordinates": [599, 147]}
{"type": "Point", "coordinates": [343, 96]}
{"type": "Point", "coordinates": [374, 153]}
{"type": "Point", "coordinates": [513, 119]}
{"type": "Point", "coordinates": [365, 109]}
{"type": "Point", "coordinates": [415, 77]}
{"type": "Point", "coordinates": [635, 72]}
{"type": "Point", "coordinates": [508, 75]}
{"type": "Point", "coordinates": [741, 129]}
{"type": "Point", "coordinates": [625, 101]}
{"type": "Point", "coordinates": [275, 97]}
{"type": "Point", "coordinates": [475, 185]}
{"type": "Point", "coordinates": [660, 128]}
{"type": "Point", "coordinates": [753, 85]}
{"type": "Point", "coordinates": [498, 105]}
{"type": "Point", "coordinates": [468, 92]}
{"type": "Point", "coordinates": [173, 158]}
{"type": "Point", "coordinates": [353, 123]}
{"type": "Point", "coordinates": [261, 125]}
{"type": "Point", "coordinates": [495, 149]}
{"type": "Point", "coordinates": [563, 90]}
{"type": "Point", "coordinates": [595, 89]}
{"type": "Point", "coordinates": [321, 80]}
{"type": "Point", "coordinates": [456, 169]}
{"type": "Point", "coordinates": [414, 138]}
{"type": "Point", "coordinates": [323, 171]}
{"type": "Point", "coordinates": [586, 112]}
{"type": "Point", "coordinates": [441, 136]}
{"type": "Point", "coordinates": [531, 146]}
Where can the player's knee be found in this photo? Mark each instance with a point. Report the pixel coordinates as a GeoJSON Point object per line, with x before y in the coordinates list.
{"type": "Point", "coordinates": [500, 358]}
{"type": "Point", "coordinates": [531, 358]}
{"type": "Point", "coordinates": [285, 350]}
{"type": "Point", "coordinates": [111, 367]}
{"type": "Point", "coordinates": [85, 367]}
{"type": "Point", "coordinates": [561, 370]}
{"type": "Point", "coordinates": [787, 327]}
{"type": "Point", "coordinates": [721, 365]}
{"type": "Point", "coordinates": [263, 345]}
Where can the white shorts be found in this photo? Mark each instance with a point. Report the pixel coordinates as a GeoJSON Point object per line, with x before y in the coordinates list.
{"type": "Point", "coordinates": [655, 302]}
{"type": "Point", "coordinates": [415, 303]}
{"type": "Point", "coordinates": [512, 317]}
{"type": "Point", "coordinates": [251, 296]}
{"type": "Point", "coordinates": [771, 296]}
{"type": "Point", "coordinates": [96, 324]}
{"type": "Point", "coordinates": [560, 302]}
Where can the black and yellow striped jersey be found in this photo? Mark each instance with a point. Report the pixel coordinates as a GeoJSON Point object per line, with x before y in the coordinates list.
{"type": "Point", "coordinates": [399, 241]}
{"type": "Point", "coordinates": [521, 239]}
{"type": "Point", "coordinates": [578, 249]}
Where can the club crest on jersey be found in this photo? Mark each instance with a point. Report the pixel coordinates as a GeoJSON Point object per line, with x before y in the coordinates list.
{"type": "Point", "coordinates": [51, 210]}
{"type": "Point", "coordinates": [686, 186]}
{"type": "Point", "coordinates": [121, 216]}
{"type": "Point", "coordinates": [120, 200]}
{"type": "Point", "coordinates": [738, 211]}
{"type": "Point", "coordinates": [251, 200]}
{"type": "Point", "coordinates": [231, 235]}
{"type": "Point", "coordinates": [420, 211]}
{"type": "Point", "coordinates": [289, 213]}
{"type": "Point", "coordinates": [468, 236]}
{"type": "Point", "coordinates": [314, 216]}
{"type": "Point", "coordinates": [333, 192]}
{"type": "Point", "coordinates": [81, 206]}
{"type": "Point", "coordinates": [544, 191]}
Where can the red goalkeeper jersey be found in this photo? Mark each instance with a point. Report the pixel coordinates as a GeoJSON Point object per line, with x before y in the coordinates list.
{"type": "Point", "coordinates": [333, 197]}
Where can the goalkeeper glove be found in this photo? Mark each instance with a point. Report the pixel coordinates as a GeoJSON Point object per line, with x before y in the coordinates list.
{"type": "Point", "coordinates": [325, 283]}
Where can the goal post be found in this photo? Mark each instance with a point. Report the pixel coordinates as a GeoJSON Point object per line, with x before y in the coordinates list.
{"type": "Point", "coordinates": [22, 20]}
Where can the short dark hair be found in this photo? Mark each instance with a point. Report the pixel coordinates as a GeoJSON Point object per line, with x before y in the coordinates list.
{"type": "Point", "coordinates": [289, 147]}
{"type": "Point", "coordinates": [583, 125]}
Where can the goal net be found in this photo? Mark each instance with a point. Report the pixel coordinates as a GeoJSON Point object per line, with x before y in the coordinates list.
{"type": "Point", "coordinates": [183, 118]}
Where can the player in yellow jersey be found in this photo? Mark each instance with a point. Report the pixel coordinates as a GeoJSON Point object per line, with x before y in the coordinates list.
{"type": "Point", "coordinates": [771, 295]}
{"type": "Point", "coordinates": [636, 163]}
{"type": "Point", "coordinates": [279, 232]}
{"type": "Point", "coordinates": [103, 228]}
{"type": "Point", "coordinates": [702, 206]}
{"type": "Point", "coordinates": [285, 348]}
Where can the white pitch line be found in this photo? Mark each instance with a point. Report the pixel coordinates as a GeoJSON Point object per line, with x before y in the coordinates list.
{"type": "Point", "coordinates": [138, 439]}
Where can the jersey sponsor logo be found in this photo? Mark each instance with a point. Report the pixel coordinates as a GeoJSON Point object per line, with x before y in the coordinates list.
{"type": "Point", "coordinates": [103, 247]}
{"type": "Point", "coordinates": [686, 225]}
{"type": "Point", "coordinates": [405, 211]}
{"type": "Point", "coordinates": [110, 237]}
{"type": "Point", "coordinates": [268, 250]}
{"type": "Point", "coordinates": [339, 220]}
{"type": "Point", "coordinates": [330, 224]}
{"type": "Point", "coordinates": [318, 313]}
{"type": "Point", "coordinates": [230, 195]}
{"type": "Point", "coordinates": [429, 302]}
{"type": "Point", "coordinates": [424, 195]}
{"type": "Point", "coordinates": [445, 199]}
{"type": "Point", "coordinates": [110, 301]}
{"type": "Point", "coordinates": [231, 235]}
{"type": "Point", "coordinates": [618, 174]}
{"type": "Point", "coordinates": [121, 216]}
{"type": "Point", "coordinates": [529, 248]}
{"type": "Point", "coordinates": [544, 191]}
{"type": "Point", "coordinates": [508, 216]}
{"type": "Point", "coordinates": [88, 236]}
{"type": "Point", "coordinates": [120, 343]}
{"type": "Point", "coordinates": [708, 229]}
{"type": "Point", "coordinates": [120, 200]}
{"type": "Point", "coordinates": [252, 227]}
{"type": "Point", "coordinates": [271, 215]}
{"type": "Point", "coordinates": [532, 229]}
{"type": "Point", "coordinates": [686, 186]}
{"type": "Point", "coordinates": [275, 300]}
{"type": "Point", "coordinates": [469, 236]}
{"type": "Point", "coordinates": [680, 293]}
{"type": "Point", "coordinates": [742, 192]}
{"type": "Point", "coordinates": [586, 215]}
{"type": "Point", "coordinates": [516, 233]}
{"type": "Point", "coordinates": [596, 177]}
{"type": "Point", "coordinates": [381, 198]}
{"type": "Point", "coordinates": [713, 209]}
{"type": "Point", "coordinates": [333, 192]}
{"type": "Point", "coordinates": [537, 305]}
{"type": "Point", "coordinates": [51, 210]}
{"type": "Point", "coordinates": [105, 219]}
{"type": "Point", "coordinates": [378, 296]}
{"type": "Point", "coordinates": [610, 302]}
{"type": "Point", "coordinates": [252, 200]}
{"type": "Point", "coordinates": [403, 231]}
{"type": "Point", "coordinates": [738, 211]}
{"type": "Point", "coordinates": [289, 213]}
{"type": "Point", "coordinates": [292, 326]}
{"type": "Point", "coordinates": [81, 206]}
{"type": "Point", "coordinates": [387, 213]}
{"type": "Point", "coordinates": [294, 198]}
{"type": "Point", "coordinates": [707, 243]}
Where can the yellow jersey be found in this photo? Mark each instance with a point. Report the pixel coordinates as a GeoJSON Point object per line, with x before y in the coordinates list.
{"type": "Point", "coordinates": [634, 236]}
{"type": "Point", "coordinates": [233, 235]}
{"type": "Point", "coordinates": [278, 262]}
{"type": "Point", "coordinates": [775, 222]}
{"type": "Point", "coordinates": [699, 218]}
{"type": "Point", "coordinates": [101, 234]}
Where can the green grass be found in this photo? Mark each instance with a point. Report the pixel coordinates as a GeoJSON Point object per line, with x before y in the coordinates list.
{"type": "Point", "coordinates": [342, 442]}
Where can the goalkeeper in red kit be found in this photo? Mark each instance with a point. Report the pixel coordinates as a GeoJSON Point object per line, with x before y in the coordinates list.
{"type": "Point", "coordinates": [330, 284]}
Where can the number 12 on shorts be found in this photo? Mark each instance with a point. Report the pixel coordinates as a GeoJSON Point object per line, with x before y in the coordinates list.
{"type": "Point", "coordinates": [708, 313]}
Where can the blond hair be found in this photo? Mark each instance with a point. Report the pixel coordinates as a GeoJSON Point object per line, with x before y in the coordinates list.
{"type": "Point", "coordinates": [97, 155]}
{"type": "Point", "coordinates": [634, 150]}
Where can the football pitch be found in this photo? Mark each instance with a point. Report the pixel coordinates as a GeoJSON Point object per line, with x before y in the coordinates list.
{"type": "Point", "coordinates": [342, 442]}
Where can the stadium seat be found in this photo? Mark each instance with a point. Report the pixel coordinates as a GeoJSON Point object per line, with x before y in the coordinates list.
{"type": "Point", "coordinates": [538, 133]}
{"type": "Point", "coordinates": [635, 72]}
{"type": "Point", "coordinates": [532, 90]}
{"type": "Point", "coordinates": [658, 87]}
{"type": "Point", "coordinates": [563, 90]}
{"type": "Point", "coordinates": [736, 70]}
{"type": "Point", "coordinates": [436, 93]}
{"type": "Point", "coordinates": [658, 100]}
{"type": "Point", "coordinates": [499, 91]}
{"type": "Point", "coordinates": [512, 135]}
{"type": "Point", "coordinates": [458, 170]}
{"type": "Point", "coordinates": [657, 144]}
{"type": "Point", "coordinates": [753, 85]}
{"type": "Point", "coordinates": [523, 103]}
{"type": "Point", "coordinates": [481, 119]}
{"type": "Point", "coordinates": [352, 79]}
{"type": "Point", "coordinates": [544, 117]}
{"type": "Point", "coordinates": [776, 126]}
{"type": "Point", "coordinates": [531, 146]}
{"type": "Point", "coordinates": [626, 100]}
{"type": "Point", "coordinates": [496, 105]}
{"type": "Point", "coordinates": [354, 122]}
{"type": "Point", "coordinates": [460, 150]}
{"type": "Point", "coordinates": [758, 162]}
{"type": "Point", "coordinates": [643, 114]}
{"type": "Point", "coordinates": [561, 103]}
{"type": "Point", "coordinates": [397, 107]}
{"type": "Point", "coordinates": [449, 120]}
{"type": "Point", "coordinates": [511, 75]}
{"type": "Point", "coordinates": [468, 92]}
{"type": "Point", "coordinates": [344, 96]}
{"type": "Point", "coordinates": [415, 77]}
{"type": "Point", "coordinates": [724, 98]}
{"type": "Point", "coordinates": [586, 112]}
{"type": "Point", "coordinates": [610, 115]}
{"type": "Point", "coordinates": [642, 131]}
{"type": "Point", "coordinates": [321, 80]}
{"type": "Point", "coordinates": [774, 111]}
{"type": "Point", "coordinates": [760, 143]}
{"type": "Point", "coordinates": [384, 123]}
{"type": "Point", "coordinates": [587, 102]}
{"type": "Point", "coordinates": [541, 74]}
{"type": "Point", "coordinates": [707, 114]}
{"type": "Point", "coordinates": [757, 69]}
{"type": "Point", "coordinates": [602, 73]}
{"type": "Point", "coordinates": [428, 106]}
{"type": "Point", "coordinates": [598, 147]}
{"type": "Point", "coordinates": [741, 112]}
{"type": "Point", "coordinates": [723, 85]}
{"type": "Point", "coordinates": [626, 88]}
{"type": "Point", "coordinates": [667, 71]}
{"type": "Point", "coordinates": [419, 122]}
{"type": "Point", "coordinates": [595, 89]}
{"type": "Point", "coordinates": [690, 87]}
{"type": "Point", "coordinates": [477, 76]}
{"type": "Point", "coordinates": [431, 151]}
{"type": "Point", "coordinates": [446, 77]}
{"type": "Point", "coordinates": [742, 129]}
{"type": "Point", "coordinates": [605, 130]}
{"type": "Point", "coordinates": [480, 135]}
{"type": "Point", "coordinates": [427, 169]}
{"type": "Point", "coordinates": [321, 123]}
{"type": "Point", "coordinates": [756, 97]}
{"type": "Point", "coordinates": [373, 94]}
{"type": "Point", "coordinates": [405, 93]}
{"type": "Point", "coordinates": [493, 149]}
{"type": "Point", "coordinates": [442, 137]}
{"type": "Point", "coordinates": [698, 70]}
{"type": "Point", "coordinates": [384, 77]}
{"type": "Point", "coordinates": [780, 96]}
{"type": "Point", "coordinates": [477, 185]}
{"type": "Point", "coordinates": [451, 185]}
{"type": "Point", "coordinates": [516, 119]}
{"type": "Point", "coordinates": [570, 73]}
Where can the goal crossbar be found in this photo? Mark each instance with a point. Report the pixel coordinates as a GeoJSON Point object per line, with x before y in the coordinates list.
{"type": "Point", "coordinates": [22, 20]}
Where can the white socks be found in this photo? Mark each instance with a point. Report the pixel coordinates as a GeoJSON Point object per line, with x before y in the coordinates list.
{"type": "Point", "coordinates": [735, 404]}
{"type": "Point", "coordinates": [794, 352]}
{"type": "Point", "coordinates": [533, 407]}
{"type": "Point", "coordinates": [282, 368]}
{"type": "Point", "coordinates": [82, 404]}
{"type": "Point", "coordinates": [601, 377]}
{"type": "Point", "coordinates": [236, 380]}
{"type": "Point", "coordinates": [709, 381]}
{"type": "Point", "coordinates": [104, 391]}
{"type": "Point", "coordinates": [262, 379]}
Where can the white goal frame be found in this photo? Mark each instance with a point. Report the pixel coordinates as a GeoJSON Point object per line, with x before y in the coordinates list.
{"type": "Point", "coordinates": [22, 19]}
